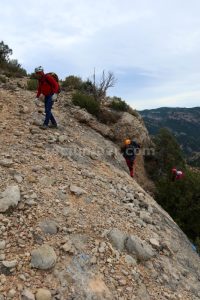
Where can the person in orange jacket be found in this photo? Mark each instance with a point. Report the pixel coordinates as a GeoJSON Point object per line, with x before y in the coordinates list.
{"type": "Point", "coordinates": [129, 151]}
{"type": "Point", "coordinates": [48, 87]}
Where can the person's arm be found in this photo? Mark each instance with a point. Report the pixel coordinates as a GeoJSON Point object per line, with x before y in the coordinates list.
{"type": "Point", "coordinates": [122, 149]}
{"type": "Point", "coordinates": [39, 90]}
{"type": "Point", "coordinates": [53, 84]}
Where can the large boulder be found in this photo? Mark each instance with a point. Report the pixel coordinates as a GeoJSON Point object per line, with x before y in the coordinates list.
{"type": "Point", "coordinates": [43, 258]}
{"type": "Point", "coordinates": [138, 248]}
{"type": "Point", "coordinates": [9, 198]}
{"type": "Point", "coordinates": [117, 238]}
{"type": "Point", "coordinates": [130, 126]}
{"type": "Point", "coordinates": [43, 294]}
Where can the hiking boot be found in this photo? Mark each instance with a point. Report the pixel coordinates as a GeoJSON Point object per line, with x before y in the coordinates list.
{"type": "Point", "coordinates": [53, 126]}
{"type": "Point", "coordinates": [44, 127]}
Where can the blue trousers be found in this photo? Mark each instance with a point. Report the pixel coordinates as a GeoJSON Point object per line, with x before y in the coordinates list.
{"type": "Point", "coordinates": [48, 107]}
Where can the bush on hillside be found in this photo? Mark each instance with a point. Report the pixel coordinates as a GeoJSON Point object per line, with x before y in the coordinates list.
{"type": "Point", "coordinates": [9, 67]}
{"type": "Point", "coordinates": [179, 198]}
{"type": "Point", "coordinates": [32, 84]}
{"type": "Point", "coordinates": [108, 116]}
{"type": "Point", "coordinates": [118, 104]}
{"type": "Point", "coordinates": [134, 113]}
{"type": "Point", "coordinates": [5, 52]}
{"type": "Point", "coordinates": [87, 102]}
{"type": "Point", "coordinates": [168, 154]}
{"type": "Point", "coordinates": [87, 87]}
{"type": "Point", "coordinates": [72, 83]}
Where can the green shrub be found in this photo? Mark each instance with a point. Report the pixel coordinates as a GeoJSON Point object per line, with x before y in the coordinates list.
{"type": "Point", "coordinates": [72, 83]}
{"type": "Point", "coordinates": [87, 87]}
{"type": "Point", "coordinates": [179, 198]}
{"type": "Point", "coordinates": [32, 84]}
{"type": "Point", "coordinates": [87, 102]}
{"type": "Point", "coordinates": [108, 116]}
{"type": "Point", "coordinates": [118, 104]}
{"type": "Point", "coordinates": [133, 112]}
{"type": "Point", "coordinates": [10, 66]}
{"type": "Point", "coordinates": [15, 68]}
{"type": "Point", "coordinates": [32, 76]}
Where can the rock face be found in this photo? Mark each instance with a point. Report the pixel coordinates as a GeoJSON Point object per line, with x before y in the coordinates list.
{"type": "Point", "coordinates": [129, 125]}
{"type": "Point", "coordinates": [9, 198]}
{"type": "Point", "coordinates": [77, 226]}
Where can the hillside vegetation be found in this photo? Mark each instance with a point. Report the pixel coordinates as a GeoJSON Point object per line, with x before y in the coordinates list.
{"type": "Point", "coordinates": [184, 123]}
{"type": "Point", "coordinates": [181, 199]}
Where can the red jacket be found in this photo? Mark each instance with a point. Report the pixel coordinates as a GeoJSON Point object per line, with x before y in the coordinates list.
{"type": "Point", "coordinates": [47, 86]}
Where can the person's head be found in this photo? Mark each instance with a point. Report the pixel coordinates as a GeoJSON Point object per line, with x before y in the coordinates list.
{"type": "Point", "coordinates": [39, 72]}
{"type": "Point", "coordinates": [174, 170]}
{"type": "Point", "coordinates": [127, 142]}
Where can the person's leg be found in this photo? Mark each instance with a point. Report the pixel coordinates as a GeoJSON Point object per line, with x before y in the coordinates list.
{"type": "Point", "coordinates": [130, 166]}
{"type": "Point", "coordinates": [48, 107]}
{"type": "Point", "coordinates": [133, 168]}
{"type": "Point", "coordinates": [52, 119]}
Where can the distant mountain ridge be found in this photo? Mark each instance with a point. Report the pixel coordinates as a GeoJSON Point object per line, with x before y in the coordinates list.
{"type": "Point", "coordinates": [183, 122]}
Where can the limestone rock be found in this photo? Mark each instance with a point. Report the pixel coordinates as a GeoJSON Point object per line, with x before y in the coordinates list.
{"type": "Point", "coordinates": [27, 295]}
{"type": "Point", "coordinates": [49, 227]}
{"type": "Point", "coordinates": [142, 293]}
{"type": "Point", "coordinates": [130, 260]}
{"type": "Point", "coordinates": [9, 264]}
{"type": "Point", "coordinates": [77, 190]}
{"type": "Point", "coordinates": [43, 258]}
{"type": "Point", "coordinates": [117, 238]}
{"type": "Point", "coordinates": [9, 198]}
{"type": "Point", "coordinates": [2, 245]}
{"type": "Point", "coordinates": [43, 294]}
{"type": "Point", "coordinates": [138, 248]}
{"type": "Point", "coordinates": [6, 162]}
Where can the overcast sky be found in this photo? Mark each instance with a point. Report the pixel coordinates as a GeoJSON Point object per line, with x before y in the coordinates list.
{"type": "Point", "coordinates": [152, 46]}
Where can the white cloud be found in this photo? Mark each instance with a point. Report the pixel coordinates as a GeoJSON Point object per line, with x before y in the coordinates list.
{"type": "Point", "coordinates": [152, 46]}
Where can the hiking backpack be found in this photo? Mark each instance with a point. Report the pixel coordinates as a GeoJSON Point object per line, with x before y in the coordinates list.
{"type": "Point", "coordinates": [55, 76]}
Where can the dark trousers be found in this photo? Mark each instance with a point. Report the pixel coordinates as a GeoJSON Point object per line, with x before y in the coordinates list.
{"type": "Point", "coordinates": [48, 107]}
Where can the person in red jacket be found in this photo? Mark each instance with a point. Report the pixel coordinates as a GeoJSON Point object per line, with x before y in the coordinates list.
{"type": "Point", "coordinates": [129, 151]}
{"type": "Point", "coordinates": [176, 174]}
{"type": "Point", "coordinates": [48, 87]}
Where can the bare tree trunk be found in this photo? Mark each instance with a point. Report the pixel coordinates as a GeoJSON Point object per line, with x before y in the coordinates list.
{"type": "Point", "coordinates": [99, 90]}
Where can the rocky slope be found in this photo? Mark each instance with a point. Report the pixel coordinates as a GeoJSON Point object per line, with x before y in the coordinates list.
{"type": "Point", "coordinates": [73, 224]}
